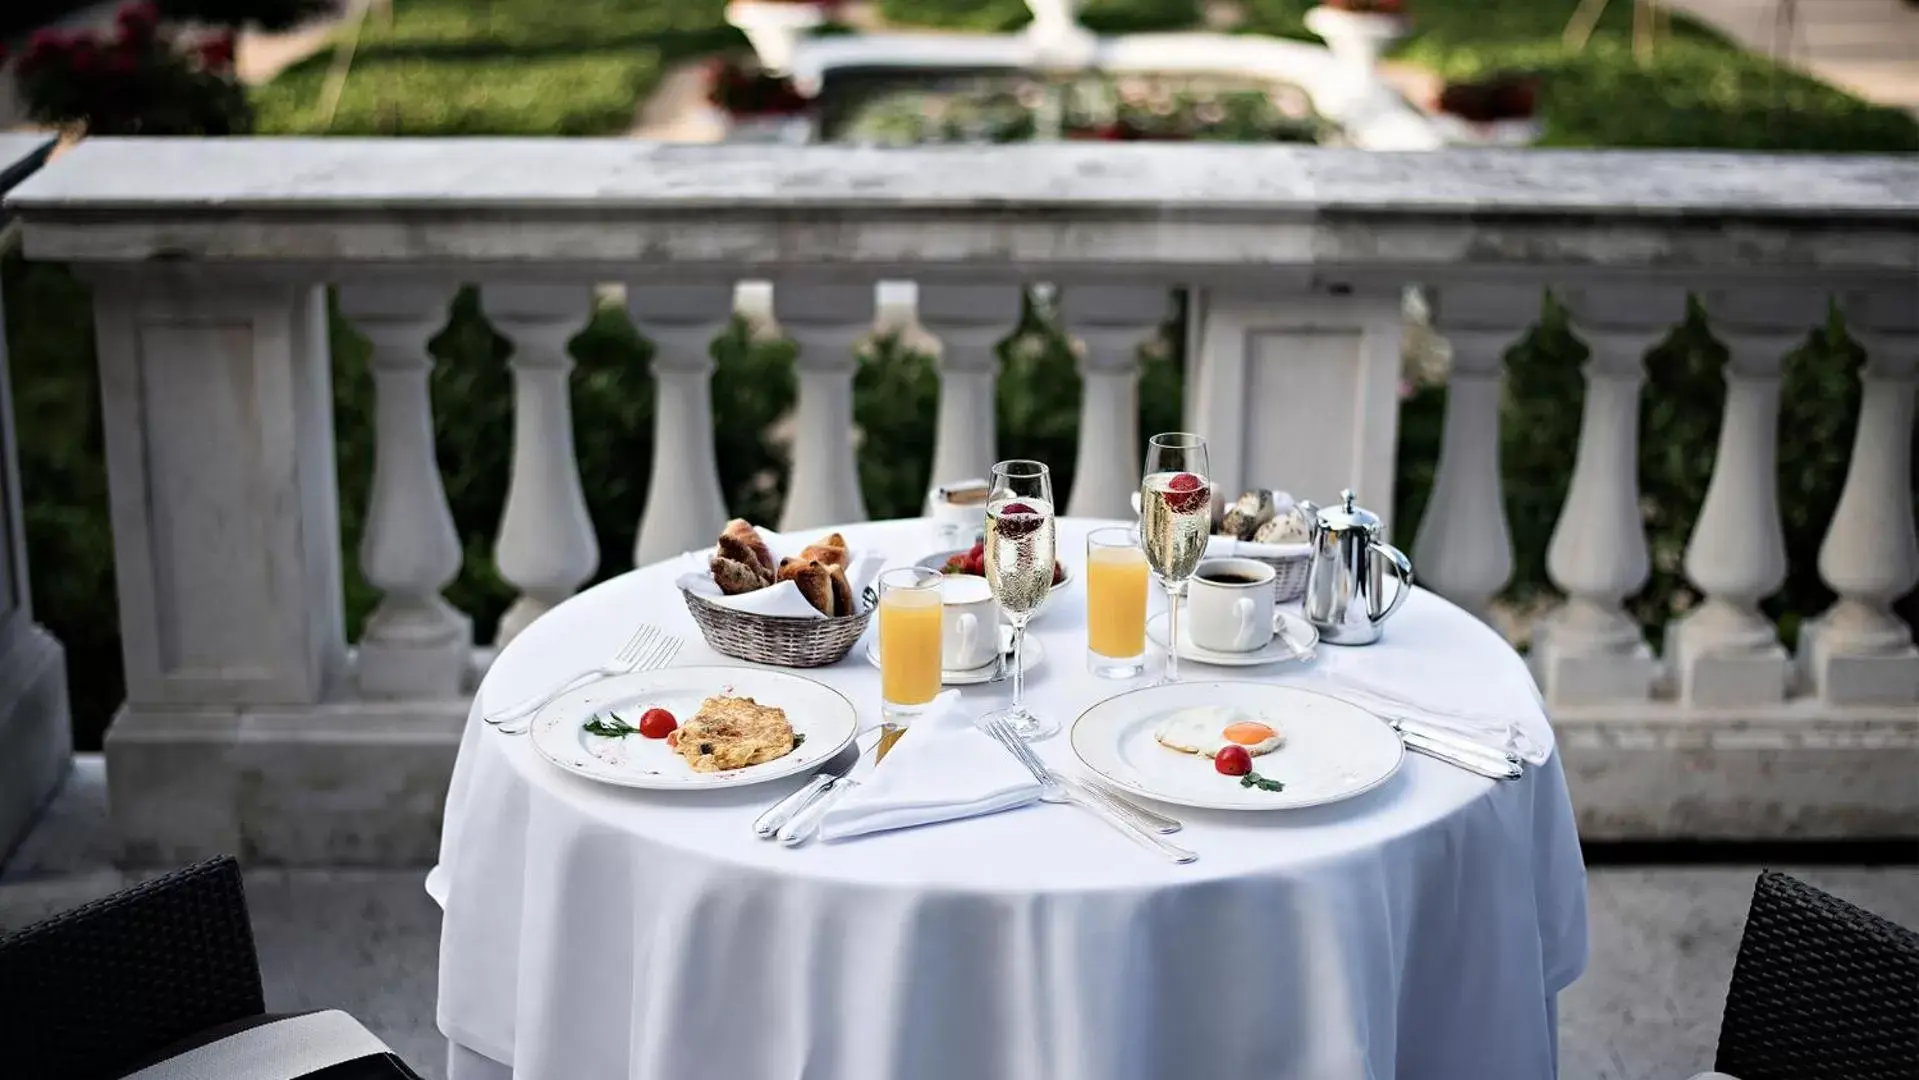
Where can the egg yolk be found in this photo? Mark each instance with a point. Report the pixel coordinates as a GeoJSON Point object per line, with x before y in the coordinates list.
{"type": "Point", "coordinates": [1247, 733]}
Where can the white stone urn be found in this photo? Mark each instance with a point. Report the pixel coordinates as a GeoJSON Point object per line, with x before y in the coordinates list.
{"type": "Point", "coordinates": [1357, 39]}
{"type": "Point", "coordinates": [775, 29]}
{"type": "Point", "coordinates": [1057, 37]}
{"type": "Point", "coordinates": [1458, 131]}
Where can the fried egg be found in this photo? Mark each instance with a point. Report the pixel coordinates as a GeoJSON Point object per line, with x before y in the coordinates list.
{"type": "Point", "coordinates": [1206, 730]}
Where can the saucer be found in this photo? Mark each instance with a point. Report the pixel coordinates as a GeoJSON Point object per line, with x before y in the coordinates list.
{"type": "Point", "coordinates": [985, 673]}
{"type": "Point", "coordinates": [1296, 643]}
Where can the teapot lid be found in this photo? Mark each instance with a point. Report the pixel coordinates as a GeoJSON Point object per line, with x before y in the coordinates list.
{"type": "Point", "coordinates": [1347, 516]}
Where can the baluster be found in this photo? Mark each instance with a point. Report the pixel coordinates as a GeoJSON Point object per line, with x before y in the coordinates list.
{"type": "Point", "coordinates": [1859, 651]}
{"type": "Point", "coordinates": [827, 322]}
{"type": "Point", "coordinates": [415, 644]}
{"type": "Point", "coordinates": [1464, 550]}
{"type": "Point", "coordinates": [1590, 649]}
{"type": "Point", "coordinates": [970, 321]}
{"type": "Point", "coordinates": [1726, 652]}
{"type": "Point", "coordinates": [546, 547]}
{"type": "Point", "coordinates": [685, 508]}
{"type": "Point", "coordinates": [1111, 322]}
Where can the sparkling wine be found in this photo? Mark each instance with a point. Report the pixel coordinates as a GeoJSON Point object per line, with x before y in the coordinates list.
{"type": "Point", "coordinates": [1176, 510]}
{"type": "Point", "coordinates": [1020, 553]}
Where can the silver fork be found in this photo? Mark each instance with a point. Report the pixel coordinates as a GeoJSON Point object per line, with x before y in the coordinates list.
{"type": "Point", "coordinates": [1054, 788]}
{"type": "Point", "coordinates": [649, 647]}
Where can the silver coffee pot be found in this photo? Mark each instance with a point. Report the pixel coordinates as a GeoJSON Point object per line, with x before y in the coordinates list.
{"type": "Point", "coordinates": [1347, 575]}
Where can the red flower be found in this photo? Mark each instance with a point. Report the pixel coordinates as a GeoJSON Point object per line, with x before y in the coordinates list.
{"type": "Point", "coordinates": [216, 54]}
{"type": "Point", "coordinates": [138, 20]}
{"type": "Point", "coordinates": [83, 56]}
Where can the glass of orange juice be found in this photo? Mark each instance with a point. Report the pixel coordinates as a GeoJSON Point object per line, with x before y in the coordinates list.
{"type": "Point", "coordinates": [1115, 603]}
{"type": "Point", "coordinates": [909, 639]}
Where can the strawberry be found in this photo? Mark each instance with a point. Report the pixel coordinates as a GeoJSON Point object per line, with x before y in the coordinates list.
{"type": "Point", "coordinates": [1059, 573]}
{"type": "Point", "coordinates": [1187, 493]}
{"type": "Point", "coordinates": [1017, 519]}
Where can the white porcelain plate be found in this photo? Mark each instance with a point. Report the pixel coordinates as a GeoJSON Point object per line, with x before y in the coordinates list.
{"type": "Point", "coordinates": [1333, 750]}
{"type": "Point", "coordinates": [1030, 656]}
{"type": "Point", "coordinates": [1296, 641]}
{"type": "Point", "coordinates": [819, 712]}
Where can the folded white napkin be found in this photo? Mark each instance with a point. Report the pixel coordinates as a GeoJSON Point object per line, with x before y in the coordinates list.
{"type": "Point", "coordinates": [784, 598]}
{"type": "Point", "coordinates": [1424, 668]}
{"type": "Point", "coordinates": [943, 769]}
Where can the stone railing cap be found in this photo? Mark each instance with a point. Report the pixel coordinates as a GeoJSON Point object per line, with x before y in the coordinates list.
{"type": "Point", "coordinates": [158, 177]}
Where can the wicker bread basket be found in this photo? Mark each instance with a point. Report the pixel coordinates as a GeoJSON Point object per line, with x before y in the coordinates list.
{"type": "Point", "coordinates": [779, 640]}
{"type": "Point", "coordinates": [1289, 574]}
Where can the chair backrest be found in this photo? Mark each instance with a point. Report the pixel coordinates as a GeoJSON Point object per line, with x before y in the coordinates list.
{"type": "Point", "coordinates": [90, 992]}
{"type": "Point", "coordinates": [1822, 990]}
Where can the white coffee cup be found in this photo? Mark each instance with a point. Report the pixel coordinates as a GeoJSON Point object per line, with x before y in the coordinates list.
{"type": "Point", "coordinates": [969, 623]}
{"type": "Point", "coordinates": [1229, 605]}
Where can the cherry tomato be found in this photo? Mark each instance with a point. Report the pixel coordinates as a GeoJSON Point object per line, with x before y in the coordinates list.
{"type": "Point", "coordinates": [1233, 761]}
{"type": "Point", "coordinates": [657, 723]}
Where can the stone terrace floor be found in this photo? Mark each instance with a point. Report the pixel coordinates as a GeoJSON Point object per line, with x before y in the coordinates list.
{"type": "Point", "coordinates": [1663, 941]}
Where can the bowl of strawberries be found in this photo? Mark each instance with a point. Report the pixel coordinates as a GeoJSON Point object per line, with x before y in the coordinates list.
{"type": "Point", "coordinates": [973, 561]}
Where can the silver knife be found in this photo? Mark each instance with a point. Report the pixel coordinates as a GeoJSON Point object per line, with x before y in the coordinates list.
{"type": "Point", "coordinates": [806, 820]}
{"type": "Point", "coordinates": [1420, 743]}
{"type": "Point", "coordinates": [1453, 740]}
{"type": "Point", "coordinates": [1120, 801]}
{"type": "Point", "coordinates": [768, 824]}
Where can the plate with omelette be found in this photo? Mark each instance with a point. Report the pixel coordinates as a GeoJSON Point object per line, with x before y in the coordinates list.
{"type": "Point", "coordinates": [1236, 745]}
{"type": "Point", "coordinates": [695, 728]}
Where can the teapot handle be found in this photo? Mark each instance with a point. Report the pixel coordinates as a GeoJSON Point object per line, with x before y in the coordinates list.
{"type": "Point", "coordinates": [1403, 569]}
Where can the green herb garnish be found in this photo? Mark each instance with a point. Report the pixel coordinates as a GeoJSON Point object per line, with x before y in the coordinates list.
{"type": "Point", "coordinates": [610, 726]}
{"type": "Point", "coordinates": [1253, 779]}
{"type": "Point", "coordinates": [798, 739]}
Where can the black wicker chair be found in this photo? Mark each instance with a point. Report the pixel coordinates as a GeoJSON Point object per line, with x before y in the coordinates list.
{"type": "Point", "coordinates": [1822, 990]}
{"type": "Point", "coordinates": [161, 980]}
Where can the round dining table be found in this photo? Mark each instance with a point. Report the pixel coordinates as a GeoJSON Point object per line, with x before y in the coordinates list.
{"type": "Point", "coordinates": [1420, 930]}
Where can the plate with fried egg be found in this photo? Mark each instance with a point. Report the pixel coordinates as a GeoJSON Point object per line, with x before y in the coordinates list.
{"type": "Point", "coordinates": [1170, 743]}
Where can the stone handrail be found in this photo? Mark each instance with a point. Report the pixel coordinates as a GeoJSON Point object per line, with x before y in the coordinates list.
{"type": "Point", "coordinates": [208, 259]}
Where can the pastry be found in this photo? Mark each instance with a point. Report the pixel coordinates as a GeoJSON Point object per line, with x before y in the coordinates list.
{"type": "Point", "coordinates": [830, 551]}
{"type": "Point", "coordinates": [734, 549]}
{"type": "Point", "coordinates": [842, 592]}
{"type": "Point", "coordinates": [815, 584]}
{"type": "Point", "coordinates": [739, 529]}
{"type": "Point", "coordinates": [1247, 514]}
{"type": "Point", "coordinates": [732, 733]}
{"type": "Point", "coordinates": [1289, 527]}
{"type": "Point", "coordinates": [735, 577]}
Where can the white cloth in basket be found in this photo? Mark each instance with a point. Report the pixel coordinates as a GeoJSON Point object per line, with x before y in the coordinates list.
{"type": "Point", "coordinates": [783, 599]}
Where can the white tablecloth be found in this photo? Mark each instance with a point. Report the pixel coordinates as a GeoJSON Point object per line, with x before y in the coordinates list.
{"type": "Point", "coordinates": [1419, 931]}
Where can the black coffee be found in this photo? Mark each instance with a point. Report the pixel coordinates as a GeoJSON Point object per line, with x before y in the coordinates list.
{"type": "Point", "coordinates": [1228, 577]}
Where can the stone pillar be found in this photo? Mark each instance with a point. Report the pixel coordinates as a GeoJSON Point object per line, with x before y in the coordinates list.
{"type": "Point", "coordinates": [827, 322]}
{"type": "Point", "coordinates": [415, 645]}
{"type": "Point", "coordinates": [218, 414]}
{"type": "Point", "coordinates": [1725, 651]}
{"type": "Point", "coordinates": [546, 547]}
{"type": "Point", "coordinates": [1464, 550]}
{"type": "Point", "coordinates": [1590, 649]}
{"type": "Point", "coordinates": [970, 322]}
{"type": "Point", "coordinates": [1111, 323]}
{"type": "Point", "coordinates": [685, 508]}
{"type": "Point", "coordinates": [1859, 652]}
{"type": "Point", "coordinates": [1298, 389]}
{"type": "Point", "coordinates": [36, 741]}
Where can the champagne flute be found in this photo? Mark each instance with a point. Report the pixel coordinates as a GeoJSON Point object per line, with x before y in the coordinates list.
{"type": "Point", "coordinates": [1176, 509]}
{"type": "Point", "coordinates": [1020, 551]}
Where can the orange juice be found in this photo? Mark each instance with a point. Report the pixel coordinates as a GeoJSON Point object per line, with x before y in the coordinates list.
{"type": "Point", "coordinates": [909, 646]}
{"type": "Point", "coordinates": [1116, 601]}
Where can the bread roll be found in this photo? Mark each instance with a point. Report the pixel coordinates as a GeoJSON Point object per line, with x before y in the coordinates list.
{"type": "Point", "coordinates": [842, 592]}
{"type": "Point", "coordinates": [829, 552]}
{"type": "Point", "coordinates": [814, 582]}
{"type": "Point", "coordinates": [735, 577]}
{"type": "Point", "coordinates": [743, 531]}
{"type": "Point", "coordinates": [733, 549]}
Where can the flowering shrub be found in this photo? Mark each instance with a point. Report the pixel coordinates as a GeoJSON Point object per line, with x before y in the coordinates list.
{"type": "Point", "coordinates": [1369, 7]}
{"type": "Point", "coordinates": [749, 91]}
{"type": "Point", "coordinates": [1501, 97]}
{"type": "Point", "coordinates": [136, 80]}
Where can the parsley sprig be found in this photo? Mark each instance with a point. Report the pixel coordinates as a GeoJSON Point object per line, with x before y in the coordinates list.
{"type": "Point", "coordinates": [610, 726]}
{"type": "Point", "coordinates": [1253, 779]}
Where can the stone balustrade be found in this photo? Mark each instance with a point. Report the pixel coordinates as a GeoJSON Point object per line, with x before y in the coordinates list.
{"type": "Point", "coordinates": [250, 724]}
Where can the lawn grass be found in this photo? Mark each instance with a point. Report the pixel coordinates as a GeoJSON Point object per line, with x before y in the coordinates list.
{"type": "Point", "coordinates": [1698, 89]}
{"type": "Point", "coordinates": [499, 67]}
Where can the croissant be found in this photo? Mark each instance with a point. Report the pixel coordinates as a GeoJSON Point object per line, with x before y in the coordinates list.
{"type": "Point", "coordinates": [733, 549]}
{"type": "Point", "coordinates": [735, 577]}
{"type": "Point", "coordinates": [842, 591]}
{"type": "Point", "coordinates": [831, 551]}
